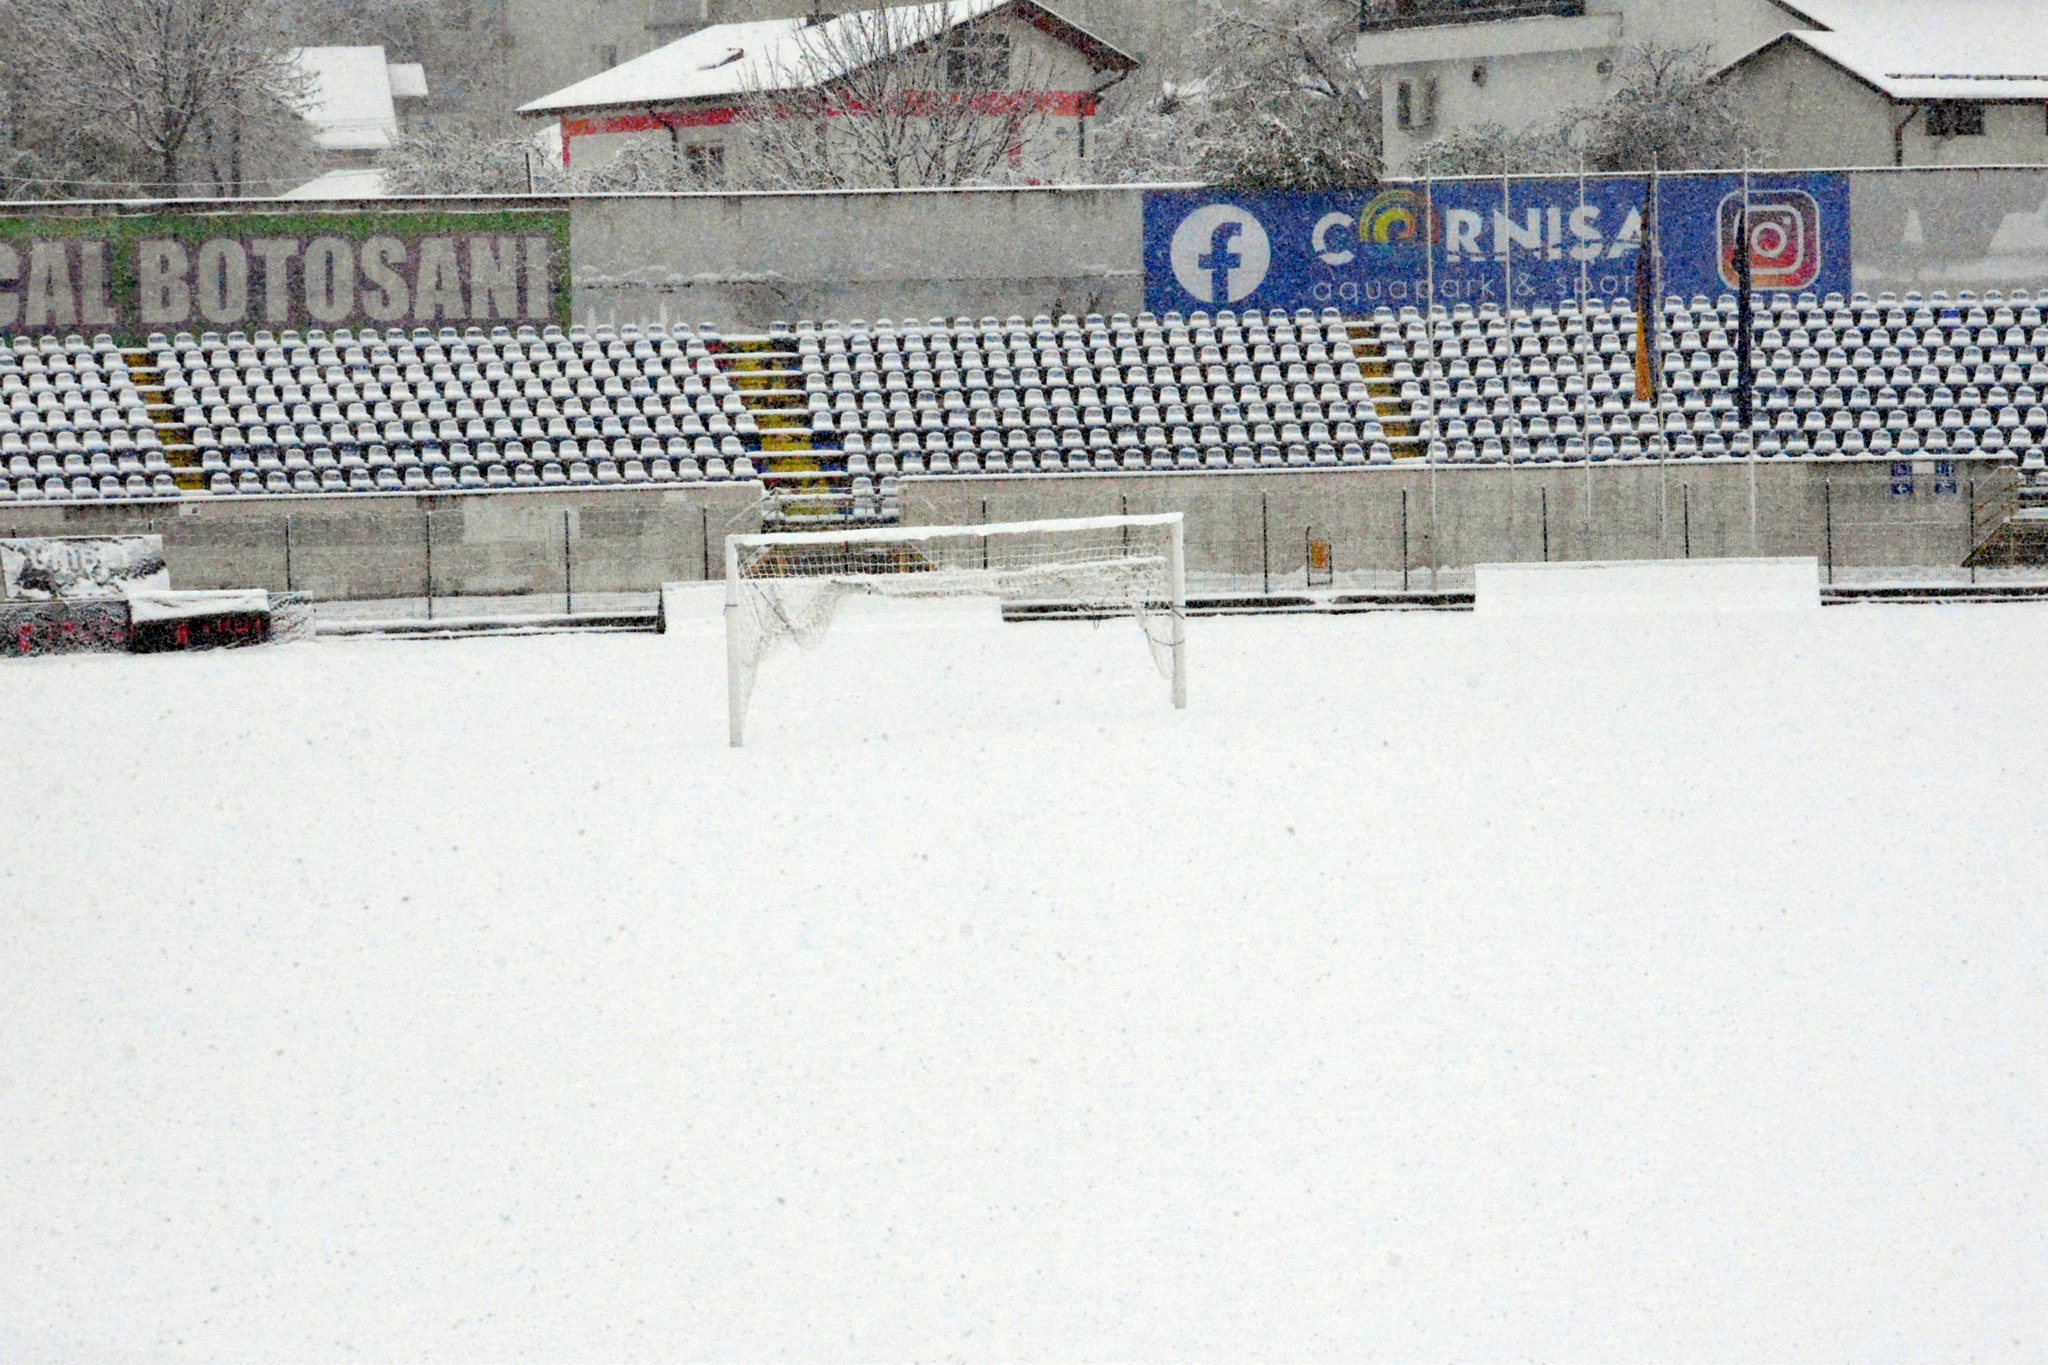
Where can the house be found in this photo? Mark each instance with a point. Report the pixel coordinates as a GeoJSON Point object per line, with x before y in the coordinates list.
{"type": "Point", "coordinates": [1902, 83]}
{"type": "Point", "coordinates": [352, 100]}
{"type": "Point", "coordinates": [691, 93]}
{"type": "Point", "coordinates": [353, 103]}
{"type": "Point", "coordinates": [1824, 82]}
{"type": "Point", "coordinates": [1450, 65]}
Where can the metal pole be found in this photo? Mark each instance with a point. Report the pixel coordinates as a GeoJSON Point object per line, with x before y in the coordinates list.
{"type": "Point", "coordinates": [735, 673]}
{"type": "Point", "coordinates": [1507, 246]}
{"type": "Point", "coordinates": [1585, 288]}
{"type": "Point", "coordinates": [1685, 498]}
{"type": "Point", "coordinates": [1827, 491]}
{"type": "Point", "coordinates": [1546, 524]}
{"type": "Point", "coordinates": [287, 553]}
{"type": "Point", "coordinates": [568, 571]}
{"type": "Point", "coordinates": [1177, 565]}
{"type": "Point", "coordinates": [1745, 321]}
{"type": "Point", "coordinates": [704, 517]}
{"type": "Point", "coordinates": [1654, 230]}
{"type": "Point", "coordinates": [1308, 573]}
{"type": "Point", "coordinates": [1265, 546]}
{"type": "Point", "coordinates": [1970, 550]}
{"type": "Point", "coordinates": [1404, 540]}
{"type": "Point", "coordinates": [428, 517]}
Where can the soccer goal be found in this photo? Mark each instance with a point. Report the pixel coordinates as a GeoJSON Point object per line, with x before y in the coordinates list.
{"type": "Point", "coordinates": [782, 587]}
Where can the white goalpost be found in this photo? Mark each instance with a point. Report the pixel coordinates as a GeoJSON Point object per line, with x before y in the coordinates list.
{"type": "Point", "coordinates": [782, 587]}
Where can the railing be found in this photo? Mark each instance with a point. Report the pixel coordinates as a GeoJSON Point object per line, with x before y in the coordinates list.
{"type": "Point", "coordinates": [1379, 16]}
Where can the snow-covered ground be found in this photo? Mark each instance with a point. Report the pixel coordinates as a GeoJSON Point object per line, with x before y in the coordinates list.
{"type": "Point", "coordinates": [1436, 988]}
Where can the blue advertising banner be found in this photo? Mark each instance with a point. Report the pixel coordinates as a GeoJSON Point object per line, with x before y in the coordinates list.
{"type": "Point", "coordinates": [1487, 241]}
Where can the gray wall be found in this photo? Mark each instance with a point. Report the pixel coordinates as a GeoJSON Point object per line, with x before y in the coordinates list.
{"type": "Point", "coordinates": [1954, 229]}
{"type": "Point", "coordinates": [511, 544]}
{"type": "Point", "coordinates": [364, 548]}
{"type": "Point", "coordinates": [741, 261]}
{"type": "Point", "coordinates": [1238, 523]}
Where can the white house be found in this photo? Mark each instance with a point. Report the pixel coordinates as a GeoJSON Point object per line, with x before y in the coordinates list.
{"type": "Point", "coordinates": [1447, 65]}
{"type": "Point", "coordinates": [1903, 83]}
{"type": "Point", "coordinates": [691, 92]}
{"type": "Point", "coordinates": [1824, 82]}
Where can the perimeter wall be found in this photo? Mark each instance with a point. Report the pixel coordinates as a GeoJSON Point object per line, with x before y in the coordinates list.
{"type": "Point", "coordinates": [1383, 522]}
{"type": "Point", "coordinates": [1247, 528]}
{"type": "Point", "coordinates": [742, 261]}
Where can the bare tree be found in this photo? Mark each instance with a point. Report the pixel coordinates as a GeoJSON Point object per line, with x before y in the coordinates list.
{"type": "Point", "coordinates": [1266, 95]}
{"type": "Point", "coordinates": [893, 98]}
{"type": "Point", "coordinates": [1495, 149]}
{"type": "Point", "coordinates": [1669, 110]}
{"type": "Point", "coordinates": [172, 88]}
{"type": "Point", "coordinates": [467, 156]}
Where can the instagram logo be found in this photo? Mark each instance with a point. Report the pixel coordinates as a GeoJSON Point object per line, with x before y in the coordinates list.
{"type": "Point", "coordinates": [1784, 239]}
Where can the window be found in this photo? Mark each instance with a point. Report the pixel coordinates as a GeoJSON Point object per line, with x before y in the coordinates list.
{"type": "Point", "coordinates": [978, 61]}
{"type": "Point", "coordinates": [705, 162]}
{"type": "Point", "coordinates": [1415, 105]}
{"type": "Point", "coordinates": [1955, 118]}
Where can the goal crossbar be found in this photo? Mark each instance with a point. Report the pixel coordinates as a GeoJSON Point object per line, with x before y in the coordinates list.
{"type": "Point", "coordinates": [787, 585]}
{"type": "Point", "coordinates": [887, 536]}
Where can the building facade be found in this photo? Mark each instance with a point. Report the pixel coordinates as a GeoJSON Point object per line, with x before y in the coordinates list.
{"type": "Point", "coordinates": [688, 98]}
{"type": "Point", "coordinates": [1450, 65]}
{"type": "Point", "coordinates": [1888, 83]}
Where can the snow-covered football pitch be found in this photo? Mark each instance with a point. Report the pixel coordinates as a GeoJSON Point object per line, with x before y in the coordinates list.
{"type": "Point", "coordinates": [1436, 988]}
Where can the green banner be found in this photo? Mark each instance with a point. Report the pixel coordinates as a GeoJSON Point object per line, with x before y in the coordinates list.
{"type": "Point", "coordinates": [131, 276]}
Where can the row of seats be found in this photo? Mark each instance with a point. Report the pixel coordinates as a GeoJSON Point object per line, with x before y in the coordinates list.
{"type": "Point", "coordinates": [370, 410]}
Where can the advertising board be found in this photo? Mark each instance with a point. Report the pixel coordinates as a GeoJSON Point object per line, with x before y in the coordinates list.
{"type": "Point", "coordinates": [130, 276]}
{"type": "Point", "coordinates": [1478, 242]}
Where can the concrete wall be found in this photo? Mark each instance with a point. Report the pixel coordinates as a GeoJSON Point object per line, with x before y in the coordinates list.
{"type": "Point", "coordinates": [365, 548]}
{"type": "Point", "coordinates": [740, 261]}
{"type": "Point", "coordinates": [1241, 524]}
{"type": "Point", "coordinates": [1950, 229]}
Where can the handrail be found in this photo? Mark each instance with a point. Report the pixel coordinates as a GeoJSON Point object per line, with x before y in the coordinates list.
{"type": "Point", "coordinates": [1432, 13]}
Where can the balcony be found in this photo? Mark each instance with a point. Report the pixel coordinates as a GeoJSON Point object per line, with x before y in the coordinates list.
{"type": "Point", "coordinates": [1376, 16]}
{"type": "Point", "coordinates": [1411, 32]}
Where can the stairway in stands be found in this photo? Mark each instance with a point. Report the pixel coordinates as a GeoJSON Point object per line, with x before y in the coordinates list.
{"type": "Point", "coordinates": [808, 488]}
{"type": "Point", "coordinates": [177, 440]}
{"type": "Point", "coordinates": [1404, 428]}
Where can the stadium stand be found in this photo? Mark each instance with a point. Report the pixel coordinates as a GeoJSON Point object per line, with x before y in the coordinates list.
{"type": "Point", "coordinates": [831, 415]}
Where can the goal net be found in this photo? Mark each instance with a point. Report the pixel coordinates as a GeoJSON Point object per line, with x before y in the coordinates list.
{"type": "Point", "coordinates": [787, 587]}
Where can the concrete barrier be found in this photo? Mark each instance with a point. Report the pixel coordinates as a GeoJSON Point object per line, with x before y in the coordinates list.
{"type": "Point", "coordinates": [1382, 521]}
{"type": "Point", "coordinates": [344, 547]}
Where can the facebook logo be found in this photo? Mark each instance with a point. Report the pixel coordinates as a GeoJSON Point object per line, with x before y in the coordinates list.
{"type": "Point", "coordinates": [1221, 254]}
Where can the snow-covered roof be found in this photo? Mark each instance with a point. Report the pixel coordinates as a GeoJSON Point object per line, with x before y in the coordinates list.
{"type": "Point", "coordinates": [349, 99]}
{"type": "Point", "coordinates": [349, 182]}
{"type": "Point", "coordinates": [408, 80]}
{"type": "Point", "coordinates": [729, 60]}
{"type": "Point", "coordinates": [1920, 50]}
